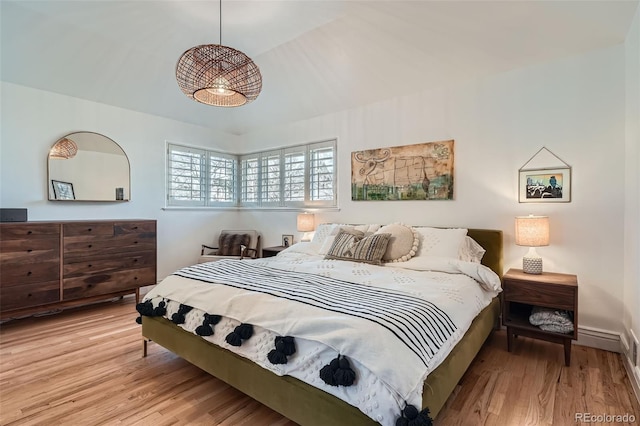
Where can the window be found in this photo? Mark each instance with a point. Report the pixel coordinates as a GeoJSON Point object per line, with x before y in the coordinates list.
{"type": "Point", "coordinates": [196, 177]}
{"type": "Point", "coordinates": [298, 176]}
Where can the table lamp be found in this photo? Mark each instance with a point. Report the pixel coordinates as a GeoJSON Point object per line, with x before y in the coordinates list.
{"type": "Point", "coordinates": [306, 224]}
{"type": "Point", "coordinates": [532, 231]}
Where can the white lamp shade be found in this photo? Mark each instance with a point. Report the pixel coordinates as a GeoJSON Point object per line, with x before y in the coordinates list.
{"type": "Point", "coordinates": [532, 231]}
{"type": "Point", "coordinates": [306, 222]}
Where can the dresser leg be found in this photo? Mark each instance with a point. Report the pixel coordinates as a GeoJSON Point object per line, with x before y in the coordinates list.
{"type": "Point", "coordinates": [567, 352]}
{"type": "Point", "coordinates": [137, 295]}
{"type": "Point", "coordinates": [509, 339]}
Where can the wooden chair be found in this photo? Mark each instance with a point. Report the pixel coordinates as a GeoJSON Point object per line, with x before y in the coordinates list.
{"type": "Point", "coordinates": [232, 244]}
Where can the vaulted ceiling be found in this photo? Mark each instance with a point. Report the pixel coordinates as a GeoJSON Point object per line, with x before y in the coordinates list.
{"type": "Point", "coordinates": [316, 57]}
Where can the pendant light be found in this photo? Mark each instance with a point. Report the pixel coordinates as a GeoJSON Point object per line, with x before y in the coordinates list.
{"type": "Point", "coordinates": [218, 75]}
{"type": "Point", "coordinates": [64, 149]}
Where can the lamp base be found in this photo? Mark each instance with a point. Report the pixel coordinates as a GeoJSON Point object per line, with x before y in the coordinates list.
{"type": "Point", "coordinates": [532, 265]}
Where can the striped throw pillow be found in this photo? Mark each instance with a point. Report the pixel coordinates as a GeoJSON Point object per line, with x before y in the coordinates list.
{"type": "Point", "coordinates": [357, 248]}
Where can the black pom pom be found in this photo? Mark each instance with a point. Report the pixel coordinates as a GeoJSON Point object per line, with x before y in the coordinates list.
{"type": "Point", "coordinates": [341, 372]}
{"type": "Point", "coordinates": [139, 320]}
{"type": "Point", "coordinates": [159, 310]}
{"type": "Point", "coordinates": [234, 339]}
{"type": "Point", "coordinates": [286, 345]}
{"type": "Point", "coordinates": [204, 330]}
{"type": "Point", "coordinates": [335, 364]}
{"type": "Point", "coordinates": [179, 317]}
{"type": "Point", "coordinates": [401, 421]}
{"type": "Point", "coordinates": [410, 412]}
{"type": "Point", "coordinates": [276, 357]}
{"type": "Point", "coordinates": [326, 374]}
{"type": "Point", "coordinates": [411, 417]}
{"type": "Point", "coordinates": [145, 308]}
{"type": "Point", "coordinates": [345, 376]}
{"type": "Point", "coordinates": [211, 319]}
{"type": "Point", "coordinates": [244, 330]}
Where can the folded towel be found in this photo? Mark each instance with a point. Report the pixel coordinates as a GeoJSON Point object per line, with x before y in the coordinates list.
{"type": "Point", "coordinates": [554, 320]}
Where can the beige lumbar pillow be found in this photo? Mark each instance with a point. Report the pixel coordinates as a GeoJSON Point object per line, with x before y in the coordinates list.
{"type": "Point", "coordinates": [403, 244]}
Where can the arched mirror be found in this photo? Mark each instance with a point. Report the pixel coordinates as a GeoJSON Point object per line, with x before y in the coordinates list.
{"type": "Point", "coordinates": [87, 166]}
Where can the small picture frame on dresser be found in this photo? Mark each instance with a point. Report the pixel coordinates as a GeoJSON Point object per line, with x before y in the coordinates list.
{"type": "Point", "coordinates": [287, 240]}
{"type": "Point", "coordinates": [63, 190]}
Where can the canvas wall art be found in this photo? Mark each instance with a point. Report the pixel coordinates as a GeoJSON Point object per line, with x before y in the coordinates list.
{"type": "Point", "coordinates": [410, 172]}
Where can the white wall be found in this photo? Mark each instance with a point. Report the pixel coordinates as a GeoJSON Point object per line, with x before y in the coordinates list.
{"type": "Point", "coordinates": [632, 185]}
{"type": "Point", "coordinates": [575, 107]}
{"type": "Point", "coordinates": [33, 120]}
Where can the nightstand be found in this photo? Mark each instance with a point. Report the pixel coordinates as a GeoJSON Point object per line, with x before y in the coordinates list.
{"type": "Point", "coordinates": [272, 251]}
{"type": "Point", "coordinates": [521, 292]}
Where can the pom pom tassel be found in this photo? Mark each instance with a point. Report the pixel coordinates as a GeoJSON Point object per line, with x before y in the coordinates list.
{"type": "Point", "coordinates": [206, 329]}
{"type": "Point", "coordinates": [240, 333]}
{"type": "Point", "coordinates": [338, 372]}
{"type": "Point", "coordinates": [179, 317]}
{"type": "Point", "coordinates": [285, 346]}
{"type": "Point", "coordinates": [411, 417]}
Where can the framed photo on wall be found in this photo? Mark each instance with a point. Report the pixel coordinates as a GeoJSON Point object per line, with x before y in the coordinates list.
{"type": "Point", "coordinates": [63, 190]}
{"type": "Point", "coordinates": [545, 185]}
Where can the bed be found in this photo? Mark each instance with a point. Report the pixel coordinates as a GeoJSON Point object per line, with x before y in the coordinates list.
{"type": "Point", "coordinates": [290, 394]}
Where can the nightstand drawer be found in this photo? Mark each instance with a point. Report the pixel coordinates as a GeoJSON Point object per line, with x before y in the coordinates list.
{"type": "Point", "coordinates": [540, 294]}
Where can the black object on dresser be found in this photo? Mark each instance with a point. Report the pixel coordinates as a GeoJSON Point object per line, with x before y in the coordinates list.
{"type": "Point", "coordinates": [523, 291]}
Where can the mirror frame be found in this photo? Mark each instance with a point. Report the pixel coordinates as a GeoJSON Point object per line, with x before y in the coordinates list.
{"type": "Point", "coordinates": [49, 179]}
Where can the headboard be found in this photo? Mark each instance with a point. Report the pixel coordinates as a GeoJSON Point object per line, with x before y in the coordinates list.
{"type": "Point", "coordinates": [491, 241]}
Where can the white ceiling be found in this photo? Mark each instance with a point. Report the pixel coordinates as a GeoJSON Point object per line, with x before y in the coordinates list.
{"type": "Point", "coordinates": [316, 57]}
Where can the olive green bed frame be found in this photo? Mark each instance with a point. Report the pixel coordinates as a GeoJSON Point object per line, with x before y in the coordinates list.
{"type": "Point", "coordinates": [305, 404]}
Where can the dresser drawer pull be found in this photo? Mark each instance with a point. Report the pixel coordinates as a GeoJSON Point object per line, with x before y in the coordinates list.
{"type": "Point", "coordinates": [29, 295]}
{"type": "Point", "coordinates": [29, 250]}
{"type": "Point", "coordinates": [90, 229]}
{"type": "Point", "coordinates": [90, 245]}
{"type": "Point", "coordinates": [135, 260]}
{"type": "Point", "coordinates": [90, 265]}
{"type": "Point", "coordinates": [135, 278]}
{"type": "Point", "coordinates": [135, 227]}
{"type": "Point", "coordinates": [135, 242]}
{"type": "Point", "coordinates": [29, 232]}
{"type": "Point", "coordinates": [29, 273]}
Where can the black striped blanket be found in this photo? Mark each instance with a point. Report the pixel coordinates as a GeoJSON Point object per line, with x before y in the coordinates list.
{"type": "Point", "coordinates": [417, 324]}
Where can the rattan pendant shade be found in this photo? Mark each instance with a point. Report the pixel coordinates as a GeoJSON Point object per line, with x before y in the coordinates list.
{"type": "Point", "coordinates": [64, 149]}
{"type": "Point", "coordinates": [218, 75]}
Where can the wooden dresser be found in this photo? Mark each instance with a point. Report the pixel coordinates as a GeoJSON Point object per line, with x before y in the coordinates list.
{"type": "Point", "coordinates": [50, 265]}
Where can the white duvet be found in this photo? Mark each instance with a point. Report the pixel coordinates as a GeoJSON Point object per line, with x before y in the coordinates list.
{"type": "Point", "coordinates": [388, 374]}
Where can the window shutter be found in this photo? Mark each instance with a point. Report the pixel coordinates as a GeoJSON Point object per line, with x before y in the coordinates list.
{"type": "Point", "coordinates": [186, 171]}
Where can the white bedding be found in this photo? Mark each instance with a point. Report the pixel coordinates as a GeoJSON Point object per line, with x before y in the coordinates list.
{"type": "Point", "coordinates": [388, 373]}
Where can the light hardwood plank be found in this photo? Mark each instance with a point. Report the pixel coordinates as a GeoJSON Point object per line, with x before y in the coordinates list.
{"type": "Point", "coordinates": [84, 366]}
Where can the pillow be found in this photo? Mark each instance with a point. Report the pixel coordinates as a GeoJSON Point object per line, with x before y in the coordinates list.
{"type": "Point", "coordinates": [471, 251]}
{"type": "Point", "coordinates": [322, 232]}
{"type": "Point", "coordinates": [353, 246]}
{"type": "Point", "coordinates": [229, 244]}
{"type": "Point", "coordinates": [328, 241]}
{"type": "Point", "coordinates": [403, 243]}
{"type": "Point", "coordinates": [442, 242]}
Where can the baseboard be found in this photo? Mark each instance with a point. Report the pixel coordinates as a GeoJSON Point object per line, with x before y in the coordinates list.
{"type": "Point", "coordinates": [600, 339]}
{"type": "Point", "coordinates": [634, 376]}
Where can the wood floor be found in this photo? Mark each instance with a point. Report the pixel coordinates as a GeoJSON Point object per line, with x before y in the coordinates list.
{"type": "Point", "coordinates": [85, 367]}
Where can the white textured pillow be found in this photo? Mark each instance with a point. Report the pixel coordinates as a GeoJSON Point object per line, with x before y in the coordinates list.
{"type": "Point", "coordinates": [471, 251]}
{"type": "Point", "coordinates": [441, 242]}
{"type": "Point", "coordinates": [322, 232]}
{"type": "Point", "coordinates": [328, 241]}
{"type": "Point", "coordinates": [403, 244]}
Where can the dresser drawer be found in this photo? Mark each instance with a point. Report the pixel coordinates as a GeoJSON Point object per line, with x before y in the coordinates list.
{"type": "Point", "coordinates": [88, 229]}
{"type": "Point", "coordinates": [82, 266]}
{"type": "Point", "coordinates": [29, 251]}
{"type": "Point", "coordinates": [540, 294]}
{"type": "Point", "coordinates": [95, 246]}
{"type": "Point", "coordinates": [25, 273]}
{"type": "Point", "coordinates": [99, 284]}
{"type": "Point", "coordinates": [10, 231]}
{"type": "Point", "coordinates": [121, 228]}
{"type": "Point", "coordinates": [27, 295]}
